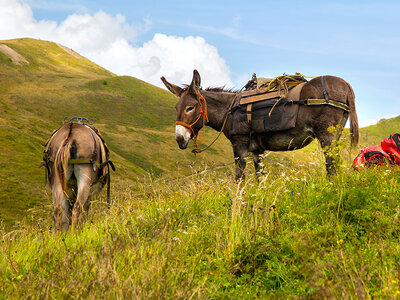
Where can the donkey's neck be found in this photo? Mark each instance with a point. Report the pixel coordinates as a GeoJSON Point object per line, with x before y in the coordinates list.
{"type": "Point", "coordinates": [217, 107]}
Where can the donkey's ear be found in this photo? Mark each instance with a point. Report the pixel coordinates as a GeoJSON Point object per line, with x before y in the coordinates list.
{"type": "Point", "coordinates": [174, 89]}
{"type": "Point", "coordinates": [196, 81]}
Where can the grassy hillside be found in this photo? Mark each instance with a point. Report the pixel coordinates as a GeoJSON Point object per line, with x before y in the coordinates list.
{"type": "Point", "coordinates": [291, 233]}
{"type": "Point", "coordinates": [136, 118]}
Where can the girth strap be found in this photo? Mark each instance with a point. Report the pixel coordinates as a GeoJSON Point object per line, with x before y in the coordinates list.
{"type": "Point", "coordinates": [330, 102]}
{"type": "Point", "coordinates": [78, 161]}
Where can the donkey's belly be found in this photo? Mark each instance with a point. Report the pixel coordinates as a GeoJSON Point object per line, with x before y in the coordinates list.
{"type": "Point", "coordinates": [282, 140]}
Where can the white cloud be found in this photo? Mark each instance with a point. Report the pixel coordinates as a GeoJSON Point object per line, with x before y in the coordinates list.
{"type": "Point", "coordinates": [109, 41]}
{"type": "Point", "coordinates": [169, 56]}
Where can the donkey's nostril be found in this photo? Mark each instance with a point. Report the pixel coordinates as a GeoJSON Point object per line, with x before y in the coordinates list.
{"type": "Point", "coordinates": [180, 140]}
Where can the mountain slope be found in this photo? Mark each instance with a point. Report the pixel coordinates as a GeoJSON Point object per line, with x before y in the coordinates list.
{"type": "Point", "coordinates": [136, 119]}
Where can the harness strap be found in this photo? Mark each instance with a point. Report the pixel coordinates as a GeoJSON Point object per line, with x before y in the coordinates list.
{"type": "Point", "coordinates": [330, 102]}
{"type": "Point", "coordinates": [248, 110]}
{"type": "Point", "coordinates": [341, 125]}
{"type": "Point", "coordinates": [108, 186]}
{"type": "Point", "coordinates": [95, 149]}
{"type": "Point", "coordinates": [78, 161]}
{"type": "Point", "coordinates": [324, 90]}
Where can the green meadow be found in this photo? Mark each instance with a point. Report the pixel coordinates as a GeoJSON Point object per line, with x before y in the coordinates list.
{"type": "Point", "coordinates": [177, 229]}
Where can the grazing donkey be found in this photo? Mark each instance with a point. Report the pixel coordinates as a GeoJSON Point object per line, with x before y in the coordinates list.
{"type": "Point", "coordinates": [322, 102]}
{"type": "Point", "coordinates": [77, 166]}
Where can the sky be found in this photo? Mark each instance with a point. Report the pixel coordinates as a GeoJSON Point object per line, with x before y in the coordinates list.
{"type": "Point", "coordinates": [228, 41]}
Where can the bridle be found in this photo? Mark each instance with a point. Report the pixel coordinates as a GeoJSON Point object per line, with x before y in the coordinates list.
{"type": "Point", "coordinates": [203, 115]}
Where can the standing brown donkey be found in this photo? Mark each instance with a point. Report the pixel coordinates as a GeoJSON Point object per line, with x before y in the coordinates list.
{"type": "Point", "coordinates": [322, 102]}
{"type": "Point", "coordinates": [77, 166]}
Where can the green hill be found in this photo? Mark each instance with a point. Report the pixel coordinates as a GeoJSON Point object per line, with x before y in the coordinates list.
{"type": "Point", "coordinates": [42, 82]}
{"type": "Point", "coordinates": [52, 82]}
{"type": "Point", "coordinates": [374, 134]}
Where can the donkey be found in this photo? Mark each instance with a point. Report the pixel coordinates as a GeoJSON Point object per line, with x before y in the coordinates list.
{"type": "Point", "coordinates": [77, 166]}
{"type": "Point", "coordinates": [212, 107]}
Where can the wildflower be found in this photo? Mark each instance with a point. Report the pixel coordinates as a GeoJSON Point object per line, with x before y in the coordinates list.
{"type": "Point", "coordinates": [177, 240]}
{"type": "Point", "coordinates": [339, 241]}
{"type": "Point", "coordinates": [291, 192]}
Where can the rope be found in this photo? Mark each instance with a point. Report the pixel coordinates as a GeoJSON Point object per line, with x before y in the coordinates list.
{"type": "Point", "coordinates": [197, 150]}
{"type": "Point", "coordinates": [280, 84]}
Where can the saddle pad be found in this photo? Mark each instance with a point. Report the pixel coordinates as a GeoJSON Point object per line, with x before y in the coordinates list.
{"type": "Point", "coordinates": [266, 116]}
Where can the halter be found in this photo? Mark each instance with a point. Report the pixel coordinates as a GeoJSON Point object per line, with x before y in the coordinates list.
{"type": "Point", "coordinates": [203, 115]}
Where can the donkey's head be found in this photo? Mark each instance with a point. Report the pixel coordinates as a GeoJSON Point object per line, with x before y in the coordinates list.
{"type": "Point", "coordinates": [191, 110]}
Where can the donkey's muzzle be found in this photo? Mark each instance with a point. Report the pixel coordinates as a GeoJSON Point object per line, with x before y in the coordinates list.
{"type": "Point", "coordinates": [182, 136]}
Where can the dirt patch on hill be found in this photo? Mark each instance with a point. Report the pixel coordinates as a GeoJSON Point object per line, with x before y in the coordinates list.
{"type": "Point", "coordinates": [69, 51]}
{"type": "Point", "coordinates": [15, 57]}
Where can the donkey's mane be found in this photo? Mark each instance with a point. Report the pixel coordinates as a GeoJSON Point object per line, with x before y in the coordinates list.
{"type": "Point", "coordinates": [220, 89]}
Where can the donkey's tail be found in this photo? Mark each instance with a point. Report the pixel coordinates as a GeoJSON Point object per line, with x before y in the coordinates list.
{"type": "Point", "coordinates": [354, 128]}
{"type": "Point", "coordinates": [61, 160]}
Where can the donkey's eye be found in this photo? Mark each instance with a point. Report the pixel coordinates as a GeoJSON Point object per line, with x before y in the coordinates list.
{"type": "Point", "coordinates": [189, 108]}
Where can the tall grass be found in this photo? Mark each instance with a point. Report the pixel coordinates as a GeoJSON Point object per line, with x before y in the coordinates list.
{"type": "Point", "coordinates": [289, 233]}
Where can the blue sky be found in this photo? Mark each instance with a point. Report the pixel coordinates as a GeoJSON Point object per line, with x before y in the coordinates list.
{"type": "Point", "coordinates": [356, 40]}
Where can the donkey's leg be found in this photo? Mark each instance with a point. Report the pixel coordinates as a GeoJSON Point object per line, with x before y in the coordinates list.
{"type": "Point", "coordinates": [84, 177]}
{"type": "Point", "coordinates": [61, 205]}
{"type": "Point", "coordinates": [326, 141]}
{"type": "Point", "coordinates": [256, 160]}
{"type": "Point", "coordinates": [57, 195]}
{"type": "Point", "coordinates": [240, 152]}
